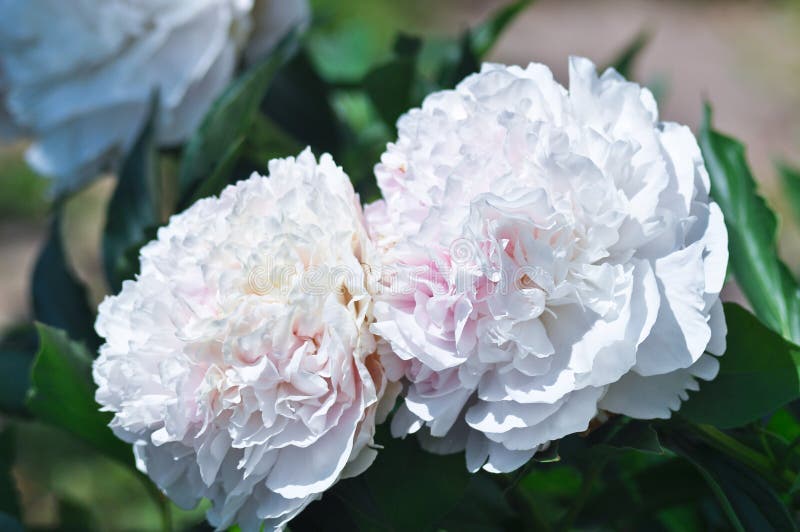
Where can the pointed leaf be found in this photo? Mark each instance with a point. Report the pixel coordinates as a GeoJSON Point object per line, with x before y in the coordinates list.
{"type": "Point", "coordinates": [229, 118]}
{"type": "Point", "coordinates": [758, 374]}
{"type": "Point", "coordinates": [17, 351]}
{"type": "Point", "coordinates": [390, 86]}
{"type": "Point", "coordinates": [764, 279]}
{"type": "Point", "coordinates": [626, 59]}
{"type": "Point", "coordinates": [59, 298]}
{"type": "Point", "coordinates": [9, 499]}
{"type": "Point", "coordinates": [62, 393]}
{"type": "Point", "coordinates": [747, 500]}
{"type": "Point", "coordinates": [790, 176]}
{"type": "Point", "coordinates": [134, 206]}
{"type": "Point", "coordinates": [478, 41]}
{"type": "Point", "coordinates": [484, 36]}
{"type": "Point", "coordinates": [299, 102]}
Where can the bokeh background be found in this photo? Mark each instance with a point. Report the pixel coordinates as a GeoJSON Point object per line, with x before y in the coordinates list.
{"type": "Point", "coordinates": [742, 56]}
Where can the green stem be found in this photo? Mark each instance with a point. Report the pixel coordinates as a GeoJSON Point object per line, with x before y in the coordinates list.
{"type": "Point", "coordinates": [589, 480]}
{"type": "Point", "coordinates": [744, 454]}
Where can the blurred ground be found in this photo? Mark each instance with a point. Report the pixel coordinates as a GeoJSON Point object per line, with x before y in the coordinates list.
{"type": "Point", "coordinates": [741, 55]}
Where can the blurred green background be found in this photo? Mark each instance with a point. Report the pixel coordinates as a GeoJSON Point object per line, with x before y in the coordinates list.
{"type": "Point", "coordinates": [744, 56]}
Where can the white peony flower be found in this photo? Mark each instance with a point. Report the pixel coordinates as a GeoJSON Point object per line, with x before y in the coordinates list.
{"type": "Point", "coordinates": [240, 364]}
{"type": "Point", "coordinates": [556, 255]}
{"type": "Point", "coordinates": [81, 86]}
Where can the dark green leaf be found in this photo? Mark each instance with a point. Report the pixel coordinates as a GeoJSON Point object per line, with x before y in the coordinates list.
{"type": "Point", "coordinates": [484, 507]}
{"type": "Point", "coordinates": [404, 477]}
{"type": "Point", "coordinates": [219, 178]}
{"type": "Point", "coordinates": [59, 298]}
{"type": "Point", "coordinates": [62, 393]}
{"type": "Point", "coordinates": [477, 42]}
{"type": "Point", "coordinates": [790, 176]}
{"type": "Point", "coordinates": [74, 516]}
{"type": "Point", "coordinates": [758, 374]}
{"type": "Point", "coordinates": [390, 86]}
{"type": "Point", "coordinates": [615, 438]}
{"type": "Point", "coordinates": [266, 140]}
{"type": "Point", "coordinates": [562, 481]}
{"type": "Point", "coordinates": [406, 488]}
{"type": "Point", "coordinates": [134, 206]}
{"type": "Point", "coordinates": [626, 59]}
{"type": "Point", "coordinates": [229, 119]}
{"type": "Point", "coordinates": [485, 35]}
{"type": "Point", "coordinates": [747, 500]}
{"type": "Point", "coordinates": [634, 436]}
{"type": "Point", "coordinates": [764, 279]}
{"type": "Point", "coordinates": [17, 351]}
{"type": "Point", "coordinates": [298, 101]}
{"type": "Point", "coordinates": [641, 494]}
{"type": "Point", "coordinates": [9, 504]}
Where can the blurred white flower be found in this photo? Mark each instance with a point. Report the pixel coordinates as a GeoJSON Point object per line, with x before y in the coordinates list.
{"type": "Point", "coordinates": [240, 364]}
{"type": "Point", "coordinates": [556, 255]}
{"type": "Point", "coordinates": [79, 74]}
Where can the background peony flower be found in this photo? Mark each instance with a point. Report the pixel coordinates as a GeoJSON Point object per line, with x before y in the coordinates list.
{"type": "Point", "coordinates": [239, 364]}
{"type": "Point", "coordinates": [81, 88]}
{"type": "Point", "coordinates": [555, 253]}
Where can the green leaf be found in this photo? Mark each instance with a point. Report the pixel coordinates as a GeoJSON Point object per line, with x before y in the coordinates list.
{"type": "Point", "coordinates": [634, 436]}
{"type": "Point", "coordinates": [17, 351]}
{"type": "Point", "coordinates": [74, 516]}
{"type": "Point", "coordinates": [266, 140]}
{"type": "Point", "coordinates": [758, 374]}
{"type": "Point", "coordinates": [9, 501]}
{"type": "Point", "coordinates": [229, 119]}
{"type": "Point", "coordinates": [764, 279]}
{"type": "Point", "coordinates": [62, 394]}
{"type": "Point", "coordinates": [220, 177]}
{"type": "Point", "coordinates": [59, 298]}
{"type": "Point", "coordinates": [299, 102]}
{"type": "Point", "coordinates": [390, 86]}
{"type": "Point", "coordinates": [747, 500]}
{"type": "Point", "coordinates": [406, 488]}
{"type": "Point", "coordinates": [616, 437]}
{"type": "Point", "coordinates": [634, 496]}
{"type": "Point", "coordinates": [484, 36]}
{"type": "Point", "coordinates": [483, 507]}
{"type": "Point", "coordinates": [134, 205]}
{"type": "Point", "coordinates": [413, 488]}
{"type": "Point", "coordinates": [626, 59]}
{"type": "Point", "coordinates": [790, 177]}
{"type": "Point", "coordinates": [478, 41]}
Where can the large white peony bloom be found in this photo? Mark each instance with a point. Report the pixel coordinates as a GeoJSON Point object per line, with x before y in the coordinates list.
{"type": "Point", "coordinates": [555, 254]}
{"type": "Point", "coordinates": [78, 75]}
{"type": "Point", "coordinates": [240, 364]}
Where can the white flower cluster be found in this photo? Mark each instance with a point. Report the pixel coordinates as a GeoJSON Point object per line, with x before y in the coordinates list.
{"type": "Point", "coordinates": [249, 390]}
{"type": "Point", "coordinates": [541, 256]}
{"type": "Point", "coordinates": [561, 257]}
{"type": "Point", "coordinates": [82, 88]}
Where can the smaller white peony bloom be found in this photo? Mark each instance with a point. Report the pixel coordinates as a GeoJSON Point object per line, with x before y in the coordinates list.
{"type": "Point", "coordinates": [556, 255]}
{"type": "Point", "coordinates": [77, 76]}
{"type": "Point", "coordinates": [239, 363]}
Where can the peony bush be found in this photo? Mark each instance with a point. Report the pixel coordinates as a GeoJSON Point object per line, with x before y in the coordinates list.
{"type": "Point", "coordinates": [461, 296]}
